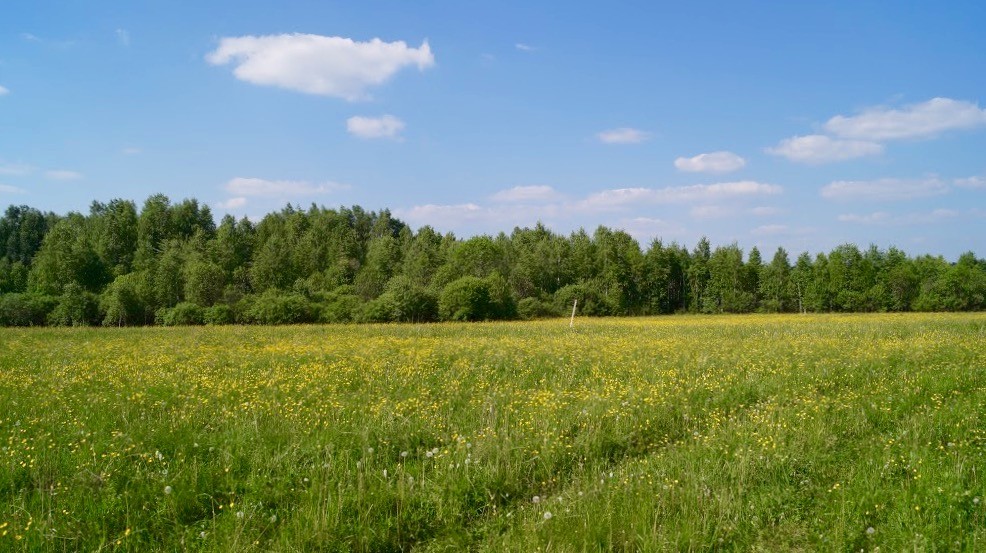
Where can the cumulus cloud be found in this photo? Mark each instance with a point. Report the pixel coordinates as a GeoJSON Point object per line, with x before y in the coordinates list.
{"type": "Point", "coordinates": [524, 47]}
{"type": "Point", "coordinates": [386, 126]}
{"type": "Point", "coordinates": [923, 120]}
{"type": "Point", "coordinates": [971, 182]}
{"type": "Point", "coordinates": [62, 174]}
{"type": "Point", "coordinates": [713, 162]}
{"type": "Point", "coordinates": [4, 90]}
{"type": "Point", "coordinates": [621, 197]}
{"type": "Point", "coordinates": [647, 228]}
{"type": "Point", "coordinates": [519, 194]}
{"type": "Point", "coordinates": [884, 189]}
{"type": "Point", "coordinates": [315, 64]}
{"type": "Point", "coordinates": [623, 135]}
{"type": "Point", "coordinates": [818, 148]}
{"type": "Point", "coordinates": [242, 186]}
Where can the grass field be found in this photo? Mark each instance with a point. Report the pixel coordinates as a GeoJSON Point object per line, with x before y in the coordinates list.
{"type": "Point", "coordinates": [736, 433]}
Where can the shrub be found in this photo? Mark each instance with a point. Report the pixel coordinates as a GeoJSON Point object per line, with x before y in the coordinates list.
{"type": "Point", "coordinates": [219, 314]}
{"type": "Point", "coordinates": [277, 308]}
{"type": "Point", "coordinates": [76, 307]}
{"type": "Point", "coordinates": [533, 308]}
{"type": "Point", "coordinates": [183, 314]}
{"type": "Point", "coordinates": [25, 309]}
{"type": "Point", "coordinates": [465, 299]}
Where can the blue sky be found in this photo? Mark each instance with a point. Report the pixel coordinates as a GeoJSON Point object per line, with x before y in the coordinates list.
{"type": "Point", "coordinates": [805, 125]}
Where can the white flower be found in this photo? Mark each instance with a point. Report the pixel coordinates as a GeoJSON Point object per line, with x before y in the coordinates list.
{"type": "Point", "coordinates": [429, 454]}
{"type": "Point", "coordinates": [369, 450]}
{"type": "Point", "coordinates": [403, 454]}
{"type": "Point", "coordinates": [536, 499]}
{"type": "Point", "coordinates": [273, 519]}
{"type": "Point", "coordinates": [167, 490]}
{"type": "Point", "coordinates": [547, 515]}
{"type": "Point", "coordinates": [385, 473]}
{"type": "Point", "coordinates": [239, 514]}
{"type": "Point", "coordinates": [870, 530]}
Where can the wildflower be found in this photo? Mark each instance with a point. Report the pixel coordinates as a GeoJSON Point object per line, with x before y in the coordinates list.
{"type": "Point", "coordinates": [403, 454]}
{"type": "Point", "coordinates": [536, 499]}
{"type": "Point", "coordinates": [167, 490]}
{"type": "Point", "coordinates": [385, 473]}
{"type": "Point", "coordinates": [239, 514]}
{"type": "Point", "coordinates": [547, 515]}
{"type": "Point", "coordinates": [870, 531]}
{"type": "Point", "coordinates": [273, 519]}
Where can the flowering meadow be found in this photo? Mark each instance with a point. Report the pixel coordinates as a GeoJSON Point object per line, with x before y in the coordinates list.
{"type": "Point", "coordinates": [726, 433]}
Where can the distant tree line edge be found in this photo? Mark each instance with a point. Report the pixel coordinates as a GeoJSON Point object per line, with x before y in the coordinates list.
{"type": "Point", "coordinates": [170, 264]}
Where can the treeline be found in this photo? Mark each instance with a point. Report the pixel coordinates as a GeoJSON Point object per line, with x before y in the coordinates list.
{"type": "Point", "coordinates": [171, 264]}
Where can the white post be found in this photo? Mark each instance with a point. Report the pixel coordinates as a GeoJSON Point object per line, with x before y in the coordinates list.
{"type": "Point", "coordinates": [572, 321]}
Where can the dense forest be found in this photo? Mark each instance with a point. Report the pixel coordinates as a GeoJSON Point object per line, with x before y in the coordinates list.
{"type": "Point", "coordinates": [171, 264]}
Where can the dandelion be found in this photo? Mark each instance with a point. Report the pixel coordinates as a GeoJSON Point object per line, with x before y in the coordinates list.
{"type": "Point", "coordinates": [239, 514]}
{"type": "Point", "coordinates": [273, 519]}
{"type": "Point", "coordinates": [975, 500]}
{"type": "Point", "coordinates": [202, 535]}
{"type": "Point", "coordinates": [385, 473]}
{"type": "Point", "coordinates": [536, 499]}
{"type": "Point", "coordinates": [369, 450]}
{"type": "Point", "coordinates": [429, 454]}
{"type": "Point", "coordinates": [403, 454]}
{"type": "Point", "coordinates": [547, 515]}
{"type": "Point", "coordinates": [167, 490]}
{"type": "Point", "coordinates": [870, 531]}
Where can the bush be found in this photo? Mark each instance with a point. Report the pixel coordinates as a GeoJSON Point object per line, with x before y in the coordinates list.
{"type": "Point", "coordinates": [25, 309]}
{"type": "Point", "coordinates": [277, 308]}
{"type": "Point", "coordinates": [533, 308]}
{"type": "Point", "coordinates": [76, 307]}
{"type": "Point", "coordinates": [183, 314]}
{"type": "Point", "coordinates": [379, 310]}
{"type": "Point", "coordinates": [342, 305]}
{"type": "Point", "coordinates": [410, 302]}
{"type": "Point", "coordinates": [121, 302]}
{"type": "Point", "coordinates": [219, 314]}
{"type": "Point", "coordinates": [591, 300]}
{"type": "Point", "coordinates": [465, 299]}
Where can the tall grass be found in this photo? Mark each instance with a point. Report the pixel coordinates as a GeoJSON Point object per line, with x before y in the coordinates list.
{"type": "Point", "coordinates": [683, 433]}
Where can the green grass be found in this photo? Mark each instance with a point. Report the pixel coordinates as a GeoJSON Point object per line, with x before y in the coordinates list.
{"type": "Point", "coordinates": [767, 433]}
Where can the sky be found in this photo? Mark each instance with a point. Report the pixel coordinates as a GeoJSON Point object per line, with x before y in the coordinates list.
{"type": "Point", "coordinates": [798, 124]}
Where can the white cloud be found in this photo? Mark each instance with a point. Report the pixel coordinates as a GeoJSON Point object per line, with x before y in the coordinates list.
{"type": "Point", "coordinates": [4, 90]}
{"type": "Point", "coordinates": [123, 36]}
{"type": "Point", "coordinates": [769, 230]}
{"type": "Point", "coordinates": [818, 148]}
{"type": "Point", "coordinates": [16, 170]}
{"type": "Point", "coordinates": [711, 212]}
{"type": "Point", "coordinates": [923, 120]}
{"type": "Point", "coordinates": [524, 47]}
{"type": "Point", "coordinates": [241, 186]}
{"type": "Point", "coordinates": [386, 126]}
{"type": "Point", "coordinates": [714, 162]}
{"type": "Point", "coordinates": [232, 203]}
{"type": "Point", "coordinates": [62, 174]}
{"type": "Point", "coordinates": [884, 189]}
{"type": "Point", "coordinates": [624, 135]}
{"type": "Point", "coordinates": [130, 151]}
{"type": "Point", "coordinates": [884, 218]}
{"type": "Point", "coordinates": [315, 64]}
{"type": "Point", "coordinates": [7, 189]}
{"type": "Point", "coordinates": [621, 197]}
{"type": "Point", "coordinates": [971, 182]}
{"type": "Point", "coordinates": [520, 194]}
{"type": "Point", "coordinates": [766, 211]}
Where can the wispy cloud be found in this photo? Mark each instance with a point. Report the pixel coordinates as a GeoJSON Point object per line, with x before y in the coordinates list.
{"type": "Point", "coordinates": [130, 151]}
{"type": "Point", "coordinates": [315, 64]}
{"type": "Point", "coordinates": [623, 135]}
{"type": "Point", "coordinates": [7, 189]}
{"type": "Point", "coordinates": [62, 174]}
{"type": "Point", "coordinates": [524, 47]}
{"type": "Point", "coordinates": [16, 170]}
{"type": "Point", "coordinates": [243, 186]}
{"type": "Point", "coordinates": [770, 230]}
{"type": "Point", "coordinates": [123, 37]}
{"type": "Point", "coordinates": [884, 189]}
{"type": "Point", "coordinates": [971, 182]}
{"type": "Point", "coordinates": [232, 203]}
{"type": "Point", "coordinates": [519, 194]}
{"type": "Point", "coordinates": [386, 126]}
{"type": "Point", "coordinates": [4, 90]}
{"type": "Point", "coordinates": [713, 162]}
{"type": "Point", "coordinates": [818, 148]}
{"type": "Point", "coordinates": [884, 218]}
{"type": "Point", "coordinates": [923, 120]}
{"type": "Point", "coordinates": [621, 197]}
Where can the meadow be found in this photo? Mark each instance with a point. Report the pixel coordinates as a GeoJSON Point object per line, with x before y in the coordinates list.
{"type": "Point", "coordinates": [685, 433]}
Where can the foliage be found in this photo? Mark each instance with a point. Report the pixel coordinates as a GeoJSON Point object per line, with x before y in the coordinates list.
{"type": "Point", "coordinates": [348, 264]}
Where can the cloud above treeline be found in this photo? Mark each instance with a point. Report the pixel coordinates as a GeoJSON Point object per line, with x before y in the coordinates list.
{"type": "Point", "coordinates": [864, 134]}
{"type": "Point", "coordinates": [713, 162]}
{"type": "Point", "coordinates": [386, 126]}
{"type": "Point", "coordinates": [316, 64]}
